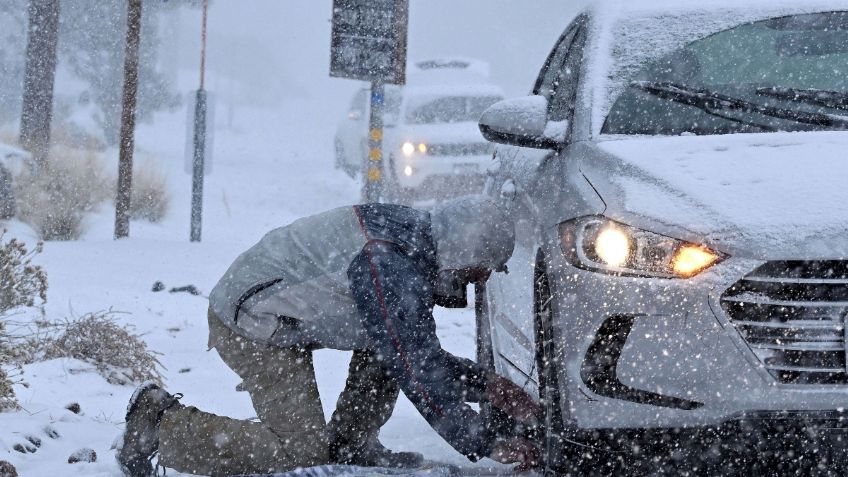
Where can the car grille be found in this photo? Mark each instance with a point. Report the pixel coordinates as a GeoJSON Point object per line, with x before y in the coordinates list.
{"type": "Point", "coordinates": [481, 149]}
{"type": "Point", "coordinates": [793, 315]}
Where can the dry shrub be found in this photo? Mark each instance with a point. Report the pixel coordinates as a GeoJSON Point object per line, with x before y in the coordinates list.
{"type": "Point", "coordinates": [55, 201]}
{"type": "Point", "coordinates": [150, 195]}
{"type": "Point", "coordinates": [22, 284]}
{"type": "Point", "coordinates": [118, 354]}
{"type": "Point", "coordinates": [69, 134]}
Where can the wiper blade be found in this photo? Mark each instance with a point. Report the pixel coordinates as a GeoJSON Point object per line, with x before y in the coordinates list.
{"type": "Point", "coordinates": [713, 103]}
{"type": "Point", "coordinates": [828, 99]}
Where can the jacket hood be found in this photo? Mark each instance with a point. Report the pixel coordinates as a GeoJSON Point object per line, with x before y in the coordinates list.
{"type": "Point", "coordinates": [767, 196]}
{"type": "Point", "coordinates": [472, 232]}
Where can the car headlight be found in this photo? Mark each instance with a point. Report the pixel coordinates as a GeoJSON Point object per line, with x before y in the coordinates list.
{"type": "Point", "coordinates": [602, 245]}
{"type": "Point", "coordinates": [409, 148]}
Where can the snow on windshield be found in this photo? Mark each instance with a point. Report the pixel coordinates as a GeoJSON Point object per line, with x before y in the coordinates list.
{"type": "Point", "coordinates": [626, 36]}
{"type": "Point", "coordinates": [449, 109]}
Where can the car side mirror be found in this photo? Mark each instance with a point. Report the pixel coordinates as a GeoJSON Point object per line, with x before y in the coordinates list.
{"type": "Point", "coordinates": [522, 122]}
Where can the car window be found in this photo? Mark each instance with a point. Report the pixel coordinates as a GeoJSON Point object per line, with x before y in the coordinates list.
{"type": "Point", "coordinates": [547, 82]}
{"type": "Point", "coordinates": [784, 74]}
{"type": "Point", "coordinates": [448, 109]}
{"type": "Point", "coordinates": [565, 86]}
{"type": "Point", "coordinates": [359, 104]}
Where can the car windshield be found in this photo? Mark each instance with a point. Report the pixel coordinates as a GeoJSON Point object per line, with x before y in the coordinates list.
{"type": "Point", "coordinates": [448, 109]}
{"type": "Point", "coordinates": [783, 74]}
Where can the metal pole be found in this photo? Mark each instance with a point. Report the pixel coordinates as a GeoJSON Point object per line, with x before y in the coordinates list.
{"type": "Point", "coordinates": [374, 167]}
{"type": "Point", "coordinates": [199, 157]}
{"type": "Point", "coordinates": [39, 76]}
{"type": "Point", "coordinates": [198, 165]}
{"type": "Point", "coordinates": [125, 161]}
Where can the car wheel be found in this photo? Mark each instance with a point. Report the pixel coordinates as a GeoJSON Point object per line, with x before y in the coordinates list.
{"type": "Point", "coordinates": [564, 452]}
{"type": "Point", "coordinates": [554, 452]}
{"type": "Point", "coordinates": [341, 161]}
{"type": "Point", "coordinates": [485, 353]}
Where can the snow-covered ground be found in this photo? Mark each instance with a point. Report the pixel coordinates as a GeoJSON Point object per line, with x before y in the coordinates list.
{"type": "Point", "coordinates": [272, 166]}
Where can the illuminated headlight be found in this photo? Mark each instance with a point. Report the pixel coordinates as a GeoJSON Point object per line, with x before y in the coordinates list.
{"type": "Point", "coordinates": [408, 171]}
{"type": "Point", "coordinates": [408, 149]}
{"type": "Point", "coordinates": [602, 245]}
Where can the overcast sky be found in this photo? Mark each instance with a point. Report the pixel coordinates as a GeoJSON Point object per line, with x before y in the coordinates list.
{"type": "Point", "coordinates": [282, 46]}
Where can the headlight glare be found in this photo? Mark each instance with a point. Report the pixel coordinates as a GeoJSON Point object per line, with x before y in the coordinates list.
{"type": "Point", "coordinates": [692, 259]}
{"type": "Point", "coordinates": [602, 245]}
{"type": "Point", "coordinates": [408, 149]}
{"type": "Point", "coordinates": [613, 246]}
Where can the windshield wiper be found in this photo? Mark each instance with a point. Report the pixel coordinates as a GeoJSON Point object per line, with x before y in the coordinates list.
{"type": "Point", "coordinates": [713, 103]}
{"type": "Point", "coordinates": [821, 97]}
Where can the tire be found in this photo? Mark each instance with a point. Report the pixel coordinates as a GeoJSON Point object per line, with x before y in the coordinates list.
{"type": "Point", "coordinates": [485, 353]}
{"type": "Point", "coordinates": [555, 456]}
{"type": "Point", "coordinates": [564, 450]}
{"type": "Point", "coordinates": [341, 161]}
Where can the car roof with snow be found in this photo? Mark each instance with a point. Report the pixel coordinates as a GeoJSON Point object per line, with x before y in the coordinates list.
{"type": "Point", "coordinates": [624, 35]}
{"type": "Point", "coordinates": [683, 6]}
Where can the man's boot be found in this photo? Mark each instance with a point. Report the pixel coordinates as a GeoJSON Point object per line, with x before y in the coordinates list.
{"type": "Point", "coordinates": [371, 453]}
{"type": "Point", "coordinates": [141, 438]}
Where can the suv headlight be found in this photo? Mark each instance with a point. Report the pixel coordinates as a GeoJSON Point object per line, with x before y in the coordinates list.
{"type": "Point", "coordinates": [602, 245]}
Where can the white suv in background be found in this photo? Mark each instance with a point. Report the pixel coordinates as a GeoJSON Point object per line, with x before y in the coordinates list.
{"type": "Point", "coordinates": [432, 145]}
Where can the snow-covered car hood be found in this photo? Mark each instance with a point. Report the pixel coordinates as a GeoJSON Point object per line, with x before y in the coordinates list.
{"type": "Point", "coordinates": [766, 196]}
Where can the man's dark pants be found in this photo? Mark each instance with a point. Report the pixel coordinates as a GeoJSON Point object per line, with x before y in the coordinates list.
{"type": "Point", "coordinates": [291, 431]}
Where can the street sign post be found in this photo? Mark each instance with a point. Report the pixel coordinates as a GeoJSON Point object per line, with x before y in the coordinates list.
{"type": "Point", "coordinates": [369, 44]}
{"type": "Point", "coordinates": [369, 40]}
{"type": "Point", "coordinates": [199, 138]}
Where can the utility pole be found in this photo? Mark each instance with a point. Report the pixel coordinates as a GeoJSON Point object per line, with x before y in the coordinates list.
{"type": "Point", "coordinates": [199, 157]}
{"type": "Point", "coordinates": [125, 162]}
{"type": "Point", "coordinates": [373, 168]}
{"type": "Point", "coordinates": [39, 76]}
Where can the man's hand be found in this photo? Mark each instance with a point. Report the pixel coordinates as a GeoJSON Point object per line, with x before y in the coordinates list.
{"type": "Point", "coordinates": [513, 400]}
{"type": "Point", "coordinates": [517, 450]}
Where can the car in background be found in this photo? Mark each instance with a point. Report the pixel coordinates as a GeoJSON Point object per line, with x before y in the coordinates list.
{"type": "Point", "coordinates": [432, 145]}
{"type": "Point", "coordinates": [679, 287]}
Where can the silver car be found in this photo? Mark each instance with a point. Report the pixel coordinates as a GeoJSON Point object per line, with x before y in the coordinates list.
{"type": "Point", "coordinates": [679, 182]}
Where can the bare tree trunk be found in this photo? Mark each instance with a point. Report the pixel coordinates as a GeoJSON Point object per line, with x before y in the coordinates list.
{"type": "Point", "coordinates": [125, 162]}
{"type": "Point", "coordinates": [37, 111]}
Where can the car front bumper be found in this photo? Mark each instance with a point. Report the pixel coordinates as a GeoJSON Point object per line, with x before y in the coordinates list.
{"type": "Point", "coordinates": [425, 171]}
{"type": "Point", "coordinates": [657, 353]}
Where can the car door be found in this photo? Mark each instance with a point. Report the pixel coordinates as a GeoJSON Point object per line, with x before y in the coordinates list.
{"type": "Point", "coordinates": [352, 131]}
{"type": "Point", "coordinates": [510, 296]}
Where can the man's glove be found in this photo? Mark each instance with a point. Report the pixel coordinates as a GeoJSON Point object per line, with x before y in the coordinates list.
{"type": "Point", "coordinates": [513, 400]}
{"type": "Point", "coordinates": [517, 450]}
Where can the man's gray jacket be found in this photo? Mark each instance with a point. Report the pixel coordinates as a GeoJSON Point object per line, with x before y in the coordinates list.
{"type": "Point", "coordinates": [363, 277]}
